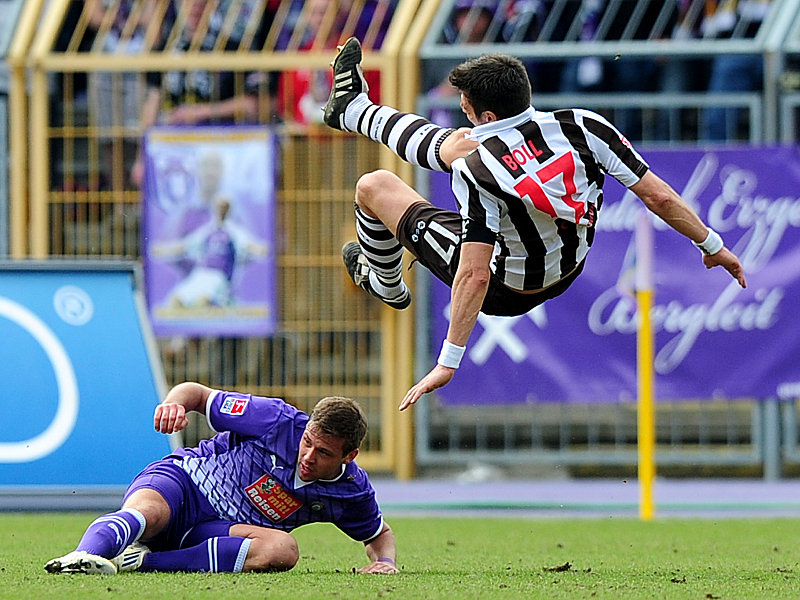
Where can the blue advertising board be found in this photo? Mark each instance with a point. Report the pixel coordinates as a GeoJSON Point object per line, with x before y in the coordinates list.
{"type": "Point", "coordinates": [81, 377]}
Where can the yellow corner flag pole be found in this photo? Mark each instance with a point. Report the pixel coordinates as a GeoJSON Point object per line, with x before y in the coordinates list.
{"type": "Point", "coordinates": [644, 357]}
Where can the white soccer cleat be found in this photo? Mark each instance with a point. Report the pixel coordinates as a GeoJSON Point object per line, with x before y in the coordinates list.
{"type": "Point", "coordinates": [131, 558]}
{"type": "Point", "coordinates": [81, 562]}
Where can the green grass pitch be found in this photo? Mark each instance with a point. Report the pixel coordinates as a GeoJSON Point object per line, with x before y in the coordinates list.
{"type": "Point", "coordinates": [452, 557]}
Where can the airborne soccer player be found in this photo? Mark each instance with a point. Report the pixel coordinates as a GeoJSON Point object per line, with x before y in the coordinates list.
{"type": "Point", "coordinates": [529, 186]}
{"type": "Point", "coordinates": [229, 504]}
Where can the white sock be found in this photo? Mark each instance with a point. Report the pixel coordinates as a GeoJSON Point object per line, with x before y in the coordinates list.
{"type": "Point", "coordinates": [354, 110]}
{"type": "Point", "coordinates": [390, 293]}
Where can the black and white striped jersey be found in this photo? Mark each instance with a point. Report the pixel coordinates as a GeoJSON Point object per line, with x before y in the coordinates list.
{"type": "Point", "coordinates": [536, 183]}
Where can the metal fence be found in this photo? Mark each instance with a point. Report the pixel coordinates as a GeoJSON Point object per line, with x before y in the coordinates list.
{"type": "Point", "coordinates": [88, 105]}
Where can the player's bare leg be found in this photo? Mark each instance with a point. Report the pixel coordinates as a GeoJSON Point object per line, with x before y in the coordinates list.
{"type": "Point", "coordinates": [270, 549]}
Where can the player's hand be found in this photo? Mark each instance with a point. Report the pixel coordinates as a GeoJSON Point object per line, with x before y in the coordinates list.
{"type": "Point", "coordinates": [380, 567]}
{"type": "Point", "coordinates": [456, 145]}
{"type": "Point", "coordinates": [170, 417]}
{"type": "Point", "coordinates": [438, 377]}
{"type": "Point", "coordinates": [727, 259]}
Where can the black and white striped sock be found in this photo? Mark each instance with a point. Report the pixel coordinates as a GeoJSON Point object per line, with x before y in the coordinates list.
{"type": "Point", "coordinates": [412, 137]}
{"type": "Point", "coordinates": [383, 253]}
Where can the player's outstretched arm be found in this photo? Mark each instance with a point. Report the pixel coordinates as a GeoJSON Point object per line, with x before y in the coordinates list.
{"type": "Point", "coordinates": [170, 415]}
{"type": "Point", "coordinates": [381, 550]}
{"type": "Point", "coordinates": [469, 290]}
{"type": "Point", "coordinates": [659, 197]}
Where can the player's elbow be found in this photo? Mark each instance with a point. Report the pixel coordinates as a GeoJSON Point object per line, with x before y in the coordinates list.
{"type": "Point", "coordinates": [656, 194]}
{"type": "Point", "coordinates": [477, 277]}
{"type": "Point", "coordinates": [659, 203]}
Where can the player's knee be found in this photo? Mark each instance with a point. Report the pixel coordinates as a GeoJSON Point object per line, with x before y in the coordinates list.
{"type": "Point", "coordinates": [277, 552]}
{"type": "Point", "coordinates": [153, 507]}
{"type": "Point", "coordinates": [370, 186]}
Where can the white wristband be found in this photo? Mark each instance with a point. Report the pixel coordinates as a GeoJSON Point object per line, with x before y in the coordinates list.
{"type": "Point", "coordinates": [712, 244]}
{"type": "Point", "coordinates": [450, 356]}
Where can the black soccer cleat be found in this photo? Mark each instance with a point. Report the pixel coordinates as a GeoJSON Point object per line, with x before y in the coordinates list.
{"type": "Point", "coordinates": [357, 267]}
{"type": "Point", "coordinates": [348, 82]}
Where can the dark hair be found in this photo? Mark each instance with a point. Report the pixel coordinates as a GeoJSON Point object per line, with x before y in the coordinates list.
{"type": "Point", "coordinates": [340, 417]}
{"type": "Point", "coordinates": [495, 82]}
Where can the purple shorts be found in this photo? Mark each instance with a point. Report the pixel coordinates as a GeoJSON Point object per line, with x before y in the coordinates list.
{"type": "Point", "coordinates": [192, 518]}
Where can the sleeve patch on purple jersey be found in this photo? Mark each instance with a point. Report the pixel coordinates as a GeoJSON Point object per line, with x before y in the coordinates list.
{"type": "Point", "coordinates": [234, 406]}
{"type": "Point", "coordinates": [271, 499]}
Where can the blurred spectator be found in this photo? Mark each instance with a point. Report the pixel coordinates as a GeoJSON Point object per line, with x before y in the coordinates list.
{"type": "Point", "coordinates": [585, 74]}
{"type": "Point", "coordinates": [204, 96]}
{"type": "Point", "coordinates": [468, 24]}
{"type": "Point", "coordinates": [78, 84]}
{"type": "Point", "coordinates": [476, 22]}
{"type": "Point", "coordinates": [732, 72]}
{"type": "Point", "coordinates": [680, 75]}
{"type": "Point", "coordinates": [322, 25]}
{"type": "Point", "coordinates": [310, 24]}
{"type": "Point", "coordinates": [471, 23]}
{"type": "Point", "coordinates": [637, 74]}
{"type": "Point", "coordinates": [523, 20]}
{"type": "Point", "coordinates": [115, 98]}
{"type": "Point", "coordinates": [68, 97]}
{"type": "Point", "coordinates": [372, 21]}
{"type": "Point", "coordinates": [612, 21]}
{"type": "Point", "coordinates": [528, 21]}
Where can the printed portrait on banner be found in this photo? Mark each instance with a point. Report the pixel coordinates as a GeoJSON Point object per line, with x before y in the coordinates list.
{"type": "Point", "coordinates": [208, 230]}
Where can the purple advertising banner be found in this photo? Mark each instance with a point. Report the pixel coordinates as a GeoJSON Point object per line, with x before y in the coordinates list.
{"type": "Point", "coordinates": [208, 230]}
{"type": "Point", "coordinates": [713, 340]}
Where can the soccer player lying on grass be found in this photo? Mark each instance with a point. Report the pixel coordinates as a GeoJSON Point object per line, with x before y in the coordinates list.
{"type": "Point", "coordinates": [229, 504]}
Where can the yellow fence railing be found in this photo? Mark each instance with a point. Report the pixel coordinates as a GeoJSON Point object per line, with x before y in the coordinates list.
{"type": "Point", "coordinates": [74, 194]}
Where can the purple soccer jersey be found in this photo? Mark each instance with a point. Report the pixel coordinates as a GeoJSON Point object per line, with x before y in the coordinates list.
{"type": "Point", "coordinates": [248, 471]}
{"type": "Point", "coordinates": [220, 252]}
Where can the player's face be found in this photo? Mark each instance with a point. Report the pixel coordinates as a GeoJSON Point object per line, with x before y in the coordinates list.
{"type": "Point", "coordinates": [467, 109]}
{"type": "Point", "coordinates": [321, 456]}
